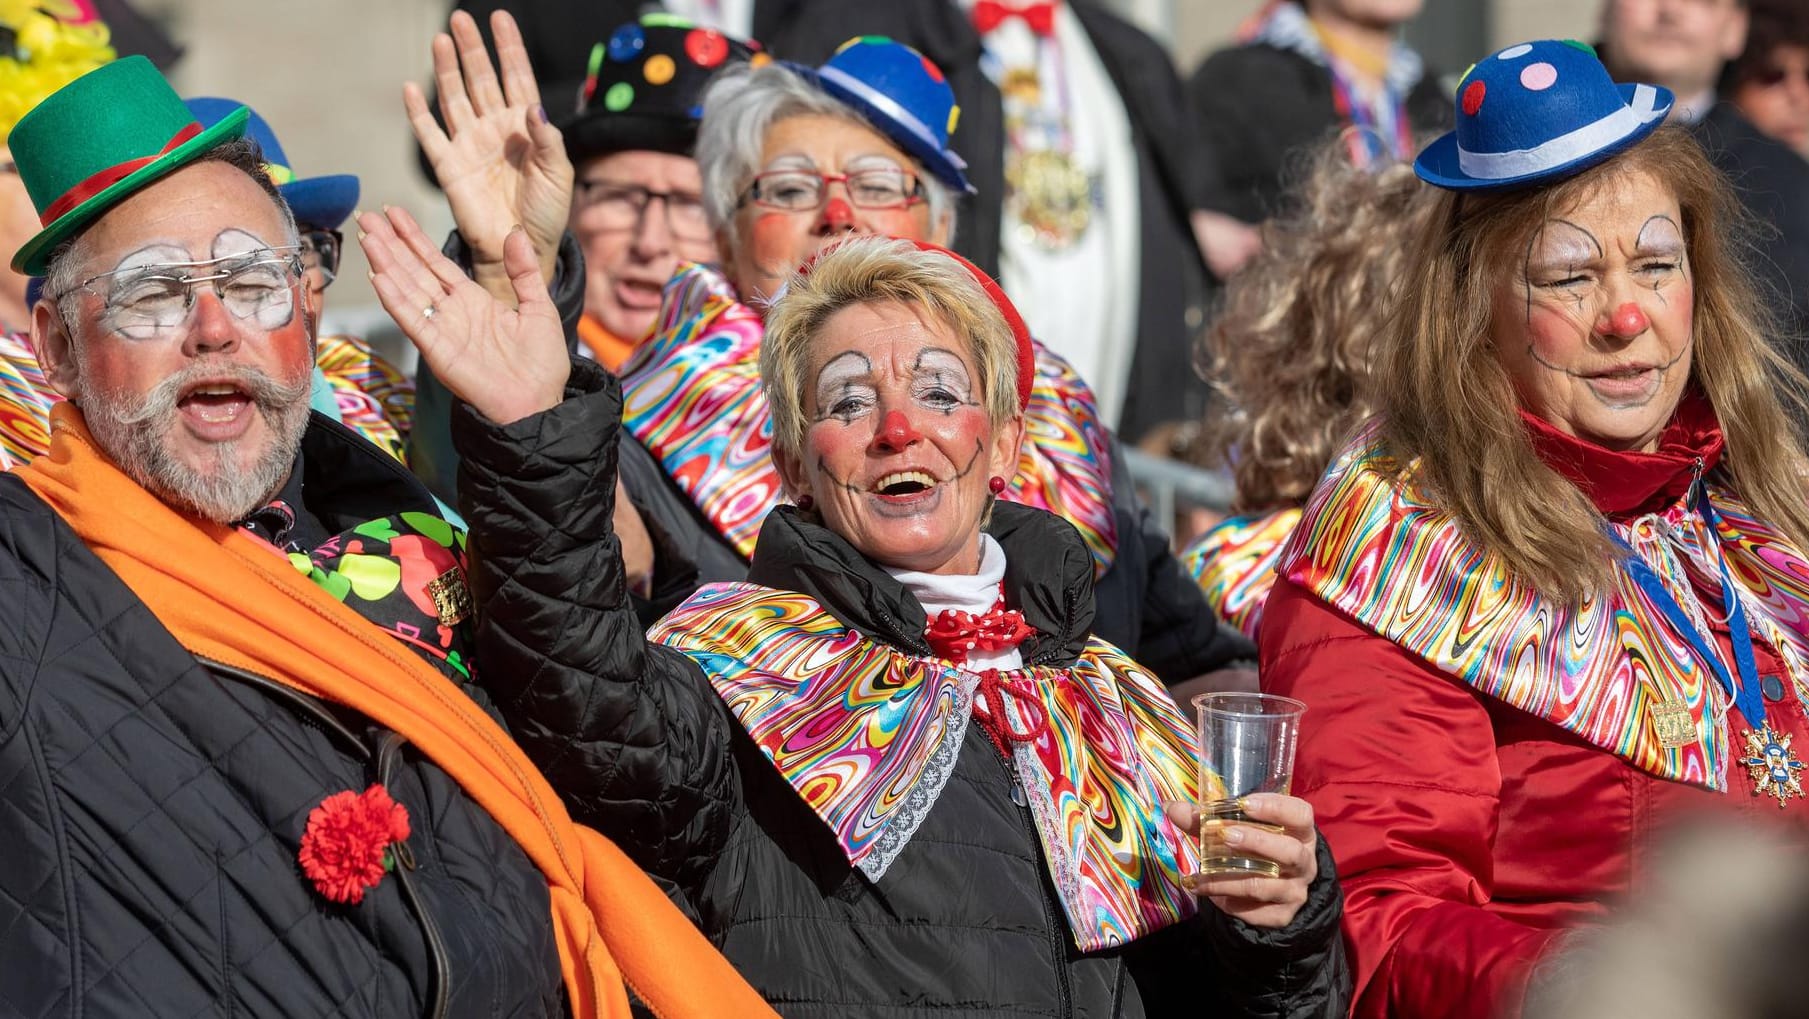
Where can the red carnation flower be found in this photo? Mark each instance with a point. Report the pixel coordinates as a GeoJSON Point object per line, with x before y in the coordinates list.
{"type": "Point", "coordinates": [345, 848]}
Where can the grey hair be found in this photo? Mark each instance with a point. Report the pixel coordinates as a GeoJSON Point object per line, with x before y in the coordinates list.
{"type": "Point", "coordinates": [740, 106]}
{"type": "Point", "coordinates": [62, 272]}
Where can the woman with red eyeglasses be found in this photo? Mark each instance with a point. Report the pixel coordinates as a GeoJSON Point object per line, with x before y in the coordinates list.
{"type": "Point", "coordinates": [1770, 80]}
{"type": "Point", "coordinates": [794, 159]}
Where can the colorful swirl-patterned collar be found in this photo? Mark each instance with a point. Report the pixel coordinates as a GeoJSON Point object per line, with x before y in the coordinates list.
{"type": "Point", "coordinates": [867, 736]}
{"type": "Point", "coordinates": [1395, 562]}
{"type": "Point", "coordinates": [691, 394]}
{"type": "Point", "coordinates": [25, 402]}
{"type": "Point", "coordinates": [1234, 564]}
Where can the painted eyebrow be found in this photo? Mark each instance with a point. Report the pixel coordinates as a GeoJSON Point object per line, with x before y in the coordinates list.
{"type": "Point", "coordinates": [941, 361]}
{"type": "Point", "coordinates": [844, 368]}
{"type": "Point", "coordinates": [237, 241]}
{"type": "Point", "coordinates": [791, 161]}
{"type": "Point", "coordinates": [1666, 244]}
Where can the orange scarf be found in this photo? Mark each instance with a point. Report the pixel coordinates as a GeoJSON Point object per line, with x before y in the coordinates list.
{"type": "Point", "coordinates": [228, 598]}
{"type": "Point", "coordinates": [609, 350]}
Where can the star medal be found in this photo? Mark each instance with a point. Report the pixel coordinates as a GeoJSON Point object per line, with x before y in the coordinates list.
{"type": "Point", "coordinates": [1774, 767]}
{"type": "Point", "coordinates": [1673, 725]}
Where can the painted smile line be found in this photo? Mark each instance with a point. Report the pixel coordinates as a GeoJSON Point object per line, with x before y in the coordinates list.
{"type": "Point", "coordinates": [1615, 373]}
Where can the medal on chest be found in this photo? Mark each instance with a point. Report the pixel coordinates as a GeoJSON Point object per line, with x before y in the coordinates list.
{"type": "Point", "coordinates": [1772, 765]}
{"type": "Point", "coordinates": [1047, 192]}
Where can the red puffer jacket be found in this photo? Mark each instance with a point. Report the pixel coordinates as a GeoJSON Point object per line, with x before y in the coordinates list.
{"type": "Point", "coordinates": [1470, 834]}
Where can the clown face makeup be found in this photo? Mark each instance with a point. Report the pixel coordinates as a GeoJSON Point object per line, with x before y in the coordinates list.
{"type": "Point", "coordinates": [186, 351]}
{"type": "Point", "coordinates": [772, 242]}
{"type": "Point", "coordinates": [899, 448]}
{"type": "Point", "coordinates": [1596, 329]}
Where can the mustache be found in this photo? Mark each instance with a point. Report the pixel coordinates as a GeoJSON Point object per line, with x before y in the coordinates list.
{"type": "Point", "coordinates": [265, 390]}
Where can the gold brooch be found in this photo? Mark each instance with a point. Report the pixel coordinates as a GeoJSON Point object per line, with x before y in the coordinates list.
{"type": "Point", "coordinates": [451, 598]}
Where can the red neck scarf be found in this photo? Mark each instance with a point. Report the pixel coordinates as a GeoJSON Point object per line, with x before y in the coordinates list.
{"type": "Point", "coordinates": [1628, 483]}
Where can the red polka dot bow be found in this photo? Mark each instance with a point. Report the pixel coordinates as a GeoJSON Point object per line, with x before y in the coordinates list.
{"type": "Point", "coordinates": [954, 634]}
{"type": "Point", "coordinates": [990, 14]}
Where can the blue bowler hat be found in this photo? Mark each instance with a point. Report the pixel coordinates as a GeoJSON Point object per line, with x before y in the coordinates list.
{"type": "Point", "coordinates": [316, 201]}
{"type": "Point", "coordinates": [1535, 112]}
{"type": "Point", "coordinates": [901, 93]}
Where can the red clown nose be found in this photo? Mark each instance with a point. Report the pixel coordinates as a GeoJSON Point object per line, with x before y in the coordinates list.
{"type": "Point", "coordinates": [896, 430]}
{"type": "Point", "coordinates": [1628, 320]}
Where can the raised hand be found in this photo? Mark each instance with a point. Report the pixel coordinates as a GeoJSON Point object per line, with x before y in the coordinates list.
{"type": "Point", "coordinates": [498, 160]}
{"type": "Point", "coordinates": [507, 362]}
{"type": "Point", "coordinates": [1261, 901]}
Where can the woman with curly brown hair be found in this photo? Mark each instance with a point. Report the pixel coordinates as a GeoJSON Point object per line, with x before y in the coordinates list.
{"type": "Point", "coordinates": [1555, 599]}
{"type": "Point", "coordinates": [1291, 353]}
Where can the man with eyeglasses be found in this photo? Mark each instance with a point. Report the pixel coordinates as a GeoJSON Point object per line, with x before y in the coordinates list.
{"type": "Point", "coordinates": [1684, 45]}
{"type": "Point", "coordinates": [352, 383]}
{"type": "Point", "coordinates": [637, 206]}
{"type": "Point", "coordinates": [244, 765]}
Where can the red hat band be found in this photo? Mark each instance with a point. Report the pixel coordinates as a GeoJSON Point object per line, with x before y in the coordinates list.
{"type": "Point", "coordinates": [101, 180]}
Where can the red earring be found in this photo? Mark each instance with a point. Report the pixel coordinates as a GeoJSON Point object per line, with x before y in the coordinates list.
{"type": "Point", "coordinates": [806, 503]}
{"type": "Point", "coordinates": [997, 484]}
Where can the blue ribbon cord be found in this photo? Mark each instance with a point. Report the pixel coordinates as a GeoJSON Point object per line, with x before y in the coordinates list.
{"type": "Point", "coordinates": [1746, 695]}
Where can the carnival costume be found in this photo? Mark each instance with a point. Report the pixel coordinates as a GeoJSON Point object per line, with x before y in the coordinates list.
{"type": "Point", "coordinates": [246, 768]}
{"type": "Point", "coordinates": [1234, 564]}
{"type": "Point", "coordinates": [861, 821]}
{"type": "Point", "coordinates": [1491, 762]}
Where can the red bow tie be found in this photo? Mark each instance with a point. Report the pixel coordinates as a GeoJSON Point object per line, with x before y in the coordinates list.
{"type": "Point", "coordinates": [990, 14]}
{"type": "Point", "coordinates": [954, 634]}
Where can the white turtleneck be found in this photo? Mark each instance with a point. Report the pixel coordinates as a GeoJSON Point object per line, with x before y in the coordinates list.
{"type": "Point", "coordinates": [974, 593]}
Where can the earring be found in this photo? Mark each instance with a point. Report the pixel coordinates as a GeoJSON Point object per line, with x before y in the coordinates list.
{"type": "Point", "coordinates": [805, 503]}
{"type": "Point", "coordinates": [997, 484]}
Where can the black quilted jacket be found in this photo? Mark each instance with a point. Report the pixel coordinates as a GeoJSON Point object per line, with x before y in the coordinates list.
{"type": "Point", "coordinates": [151, 808]}
{"type": "Point", "coordinates": [965, 922]}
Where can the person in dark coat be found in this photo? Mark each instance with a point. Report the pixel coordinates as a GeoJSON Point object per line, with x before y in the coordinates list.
{"type": "Point", "coordinates": [1305, 71]}
{"type": "Point", "coordinates": [1685, 47]}
{"type": "Point", "coordinates": [246, 767]}
{"type": "Point", "coordinates": [774, 147]}
{"type": "Point", "coordinates": [890, 771]}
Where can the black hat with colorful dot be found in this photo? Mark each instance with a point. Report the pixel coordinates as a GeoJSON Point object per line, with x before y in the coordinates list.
{"type": "Point", "coordinates": [644, 86]}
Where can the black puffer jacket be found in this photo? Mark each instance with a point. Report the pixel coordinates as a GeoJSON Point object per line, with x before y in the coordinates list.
{"type": "Point", "coordinates": [965, 922]}
{"type": "Point", "coordinates": [152, 805]}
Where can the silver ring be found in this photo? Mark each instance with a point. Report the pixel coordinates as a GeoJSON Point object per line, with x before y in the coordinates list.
{"type": "Point", "coordinates": [429, 312]}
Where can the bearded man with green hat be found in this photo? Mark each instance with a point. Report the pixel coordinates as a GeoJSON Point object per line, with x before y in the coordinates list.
{"type": "Point", "coordinates": [243, 764]}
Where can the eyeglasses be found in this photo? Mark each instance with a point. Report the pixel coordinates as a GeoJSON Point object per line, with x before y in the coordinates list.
{"type": "Point", "coordinates": [806, 190]}
{"type": "Point", "coordinates": [320, 249]}
{"type": "Point", "coordinates": [620, 206]}
{"type": "Point", "coordinates": [144, 301]}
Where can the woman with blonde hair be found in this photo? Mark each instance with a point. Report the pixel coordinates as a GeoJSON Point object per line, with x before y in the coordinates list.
{"type": "Point", "coordinates": [1291, 356]}
{"type": "Point", "coordinates": [1556, 598]}
{"type": "Point", "coordinates": [891, 772]}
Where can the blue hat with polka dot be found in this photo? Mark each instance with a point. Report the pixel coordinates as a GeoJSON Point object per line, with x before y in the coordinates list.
{"type": "Point", "coordinates": [1535, 112]}
{"type": "Point", "coordinates": [903, 94]}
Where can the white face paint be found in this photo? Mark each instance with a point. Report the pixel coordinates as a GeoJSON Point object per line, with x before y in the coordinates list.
{"type": "Point", "coordinates": [150, 293]}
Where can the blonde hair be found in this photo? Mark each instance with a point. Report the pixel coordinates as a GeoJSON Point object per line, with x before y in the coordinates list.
{"type": "Point", "coordinates": [1290, 352]}
{"type": "Point", "coordinates": [880, 270]}
{"type": "Point", "coordinates": [1450, 412]}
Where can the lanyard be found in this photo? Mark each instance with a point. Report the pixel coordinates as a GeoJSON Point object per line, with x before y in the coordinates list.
{"type": "Point", "coordinates": [1746, 694]}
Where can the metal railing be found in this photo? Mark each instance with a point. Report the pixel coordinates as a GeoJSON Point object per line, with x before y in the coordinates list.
{"type": "Point", "coordinates": [1168, 484]}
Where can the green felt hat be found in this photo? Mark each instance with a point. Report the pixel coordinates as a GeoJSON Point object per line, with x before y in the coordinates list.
{"type": "Point", "coordinates": [98, 140]}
